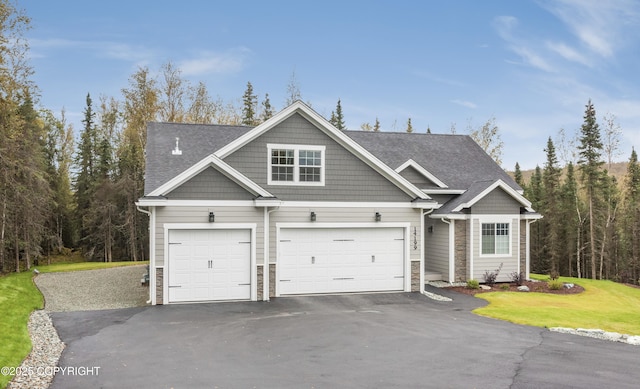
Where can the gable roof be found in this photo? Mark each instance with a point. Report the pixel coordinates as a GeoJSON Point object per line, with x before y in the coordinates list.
{"type": "Point", "coordinates": [475, 193]}
{"type": "Point", "coordinates": [455, 160]}
{"type": "Point", "coordinates": [422, 171]}
{"type": "Point", "coordinates": [323, 124]}
{"type": "Point", "coordinates": [196, 143]}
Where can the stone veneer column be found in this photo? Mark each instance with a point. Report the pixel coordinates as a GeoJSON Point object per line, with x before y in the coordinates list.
{"type": "Point", "coordinates": [159, 283]}
{"type": "Point", "coordinates": [460, 259]}
{"type": "Point", "coordinates": [260, 281]}
{"type": "Point", "coordinates": [415, 276]}
{"type": "Point", "coordinates": [272, 280]}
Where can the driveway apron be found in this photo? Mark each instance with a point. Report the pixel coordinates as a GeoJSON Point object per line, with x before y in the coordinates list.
{"type": "Point", "coordinates": [402, 340]}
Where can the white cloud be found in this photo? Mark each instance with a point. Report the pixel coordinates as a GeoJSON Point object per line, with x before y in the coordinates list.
{"type": "Point", "coordinates": [599, 25]}
{"type": "Point", "coordinates": [464, 103]}
{"type": "Point", "coordinates": [568, 53]}
{"type": "Point", "coordinates": [115, 50]}
{"type": "Point", "coordinates": [208, 62]}
{"type": "Point", "coordinates": [505, 26]}
{"type": "Point", "coordinates": [531, 58]}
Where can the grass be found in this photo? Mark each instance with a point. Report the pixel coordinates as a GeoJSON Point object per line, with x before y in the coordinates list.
{"type": "Point", "coordinates": [604, 304]}
{"type": "Point", "coordinates": [19, 296]}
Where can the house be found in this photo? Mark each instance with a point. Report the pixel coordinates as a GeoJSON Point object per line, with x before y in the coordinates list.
{"type": "Point", "coordinates": [296, 206]}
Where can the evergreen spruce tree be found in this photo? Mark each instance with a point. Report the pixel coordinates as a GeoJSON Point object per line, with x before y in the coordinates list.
{"type": "Point", "coordinates": [249, 104]}
{"type": "Point", "coordinates": [337, 119]}
{"type": "Point", "coordinates": [590, 165]}
{"type": "Point", "coordinates": [267, 109]}
{"type": "Point", "coordinates": [551, 203]}
{"type": "Point", "coordinates": [409, 126]}
{"type": "Point", "coordinates": [376, 126]}
{"type": "Point", "coordinates": [631, 236]}
{"type": "Point", "coordinates": [517, 175]}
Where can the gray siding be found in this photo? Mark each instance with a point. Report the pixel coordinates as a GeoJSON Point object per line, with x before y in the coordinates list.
{"type": "Point", "coordinates": [498, 202]}
{"type": "Point", "coordinates": [347, 178]}
{"type": "Point", "coordinates": [210, 184]}
{"type": "Point", "coordinates": [417, 179]}
{"type": "Point", "coordinates": [491, 263]}
{"type": "Point", "coordinates": [201, 215]}
{"type": "Point", "coordinates": [437, 247]}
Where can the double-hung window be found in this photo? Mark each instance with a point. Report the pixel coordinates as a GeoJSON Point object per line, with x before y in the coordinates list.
{"type": "Point", "coordinates": [495, 238]}
{"type": "Point", "coordinates": [296, 165]}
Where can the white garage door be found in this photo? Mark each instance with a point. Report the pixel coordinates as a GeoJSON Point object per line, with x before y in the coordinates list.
{"type": "Point", "coordinates": [207, 265]}
{"type": "Point", "coordinates": [335, 260]}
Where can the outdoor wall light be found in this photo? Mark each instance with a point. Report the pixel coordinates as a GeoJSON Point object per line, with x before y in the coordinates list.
{"type": "Point", "coordinates": [313, 216]}
{"type": "Point", "coordinates": [378, 216]}
{"type": "Point", "coordinates": [430, 229]}
{"type": "Point", "coordinates": [212, 217]}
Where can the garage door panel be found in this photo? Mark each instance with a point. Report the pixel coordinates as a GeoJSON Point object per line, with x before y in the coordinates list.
{"type": "Point", "coordinates": [208, 265]}
{"type": "Point", "coordinates": [346, 260]}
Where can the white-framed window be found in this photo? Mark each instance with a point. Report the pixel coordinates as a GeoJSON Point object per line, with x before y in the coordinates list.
{"type": "Point", "coordinates": [295, 165]}
{"type": "Point", "coordinates": [496, 239]}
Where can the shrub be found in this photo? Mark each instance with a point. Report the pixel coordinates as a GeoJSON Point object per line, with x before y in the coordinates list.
{"type": "Point", "coordinates": [473, 284]}
{"type": "Point", "coordinates": [517, 278]}
{"type": "Point", "coordinates": [554, 275]}
{"type": "Point", "coordinates": [491, 276]}
{"type": "Point", "coordinates": [504, 286]}
{"type": "Point", "coordinates": [555, 284]}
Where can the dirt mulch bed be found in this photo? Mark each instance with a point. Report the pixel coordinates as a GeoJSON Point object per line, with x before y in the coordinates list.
{"type": "Point", "coordinates": [540, 287]}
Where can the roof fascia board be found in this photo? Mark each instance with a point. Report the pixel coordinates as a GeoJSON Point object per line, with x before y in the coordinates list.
{"type": "Point", "coordinates": [423, 171]}
{"type": "Point", "coordinates": [222, 167]}
{"type": "Point", "coordinates": [499, 183]}
{"type": "Point", "coordinates": [332, 132]}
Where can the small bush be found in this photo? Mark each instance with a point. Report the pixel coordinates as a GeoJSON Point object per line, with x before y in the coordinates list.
{"type": "Point", "coordinates": [490, 277]}
{"type": "Point", "coordinates": [554, 275]}
{"type": "Point", "coordinates": [473, 284]}
{"type": "Point", "coordinates": [517, 278]}
{"type": "Point", "coordinates": [555, 284]}
{"type": "Point", "coordinates": [504, 286]}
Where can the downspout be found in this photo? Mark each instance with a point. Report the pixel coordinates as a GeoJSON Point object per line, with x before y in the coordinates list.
{"type": "Point", "coordinates": [452, 246]}
{"type": "Point", "coordinates": [265, 258]}
{"type": "Point", "coordinates": [423, 248]}
{"type": "Point", "coordinates": [151, 248]}
{"type": "Point", "coordinates": [528, 248]}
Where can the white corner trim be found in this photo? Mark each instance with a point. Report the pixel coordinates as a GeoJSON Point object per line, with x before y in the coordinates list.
{"type": "Point", "coordinates": [223, 167]}
{"type": "Point", "coordinates": [424, 172]}
{"type": "Point", "coordinates": [499, 183]}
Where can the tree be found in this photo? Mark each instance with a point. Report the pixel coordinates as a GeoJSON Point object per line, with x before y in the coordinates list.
{"type": "Point", "coordinates": [488, 137]}
{"type": "Point", "coordinates": [337, 119]}
{"type": "Point", "coordinates": [551, 207]}
{"type": "Point", "coordinates": [590, 165]}
{"type": "Point", "coordinates": [173, 89]}
{"type": "Point", "coordinates": [612, 133]}
{"type": "Point", "coordinates": [249, 104]}
{"type": "Point", "coordinates": [409, 126]}
{"type": "Point", "coordinates": [517, 175]}
{"type": "Point", "coordinates": [293, 90]}
{"type": "Point", "coordinates": [572, 221]}
{"type": "Point", "coordinates": [631, 222]}
{"type": "Point", "coordinates": [202, 109]}
{"type": "Point", "coordinates": [376, 126]}
{"type": "Point", "coordinates": [267, 109]}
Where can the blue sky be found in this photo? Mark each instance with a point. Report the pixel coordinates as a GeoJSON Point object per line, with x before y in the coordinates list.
{"type": "Point", "coordinates": [532, 65]}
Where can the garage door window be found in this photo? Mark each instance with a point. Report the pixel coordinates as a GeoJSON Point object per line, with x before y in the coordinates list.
{"type": "Point", "coordinates": [296, 165]}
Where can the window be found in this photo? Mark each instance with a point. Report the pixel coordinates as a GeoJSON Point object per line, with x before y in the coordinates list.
{"type": "Point", "coordinates": [495, 238]}
{"type": "Point", "coordinates": [296, 165]}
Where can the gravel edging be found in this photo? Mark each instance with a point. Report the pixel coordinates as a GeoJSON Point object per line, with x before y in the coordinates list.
{"type": "Point", "coordinates": [38, 368]}
{"type": "Point", "coordinates": [599, 334]}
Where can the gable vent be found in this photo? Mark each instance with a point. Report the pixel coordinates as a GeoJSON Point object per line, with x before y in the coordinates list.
{"type": "Point", "coordinates": [177, 150]}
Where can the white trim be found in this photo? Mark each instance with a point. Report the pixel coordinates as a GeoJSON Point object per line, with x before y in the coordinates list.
{"type": "Point", "coordinates": [452, 251]}
{"type": "Point", "coordinates": [499, 183]}
{"type": "Point", "coordinates": [337, 135]}
{"type": "Point", "coordinates": [274, 202]}
{"type": "Point", "coordinates": [424, 172]}
{"type": "Point", "coordinates": [152, 256]}
{"type": "Point", "coordinates": [443, 191]}
{"type": "Point", "coordinates": [348, 204]}
{"type": "Point", "coordinates": [209, 226]}
{"type": "Point", "coordinates": [296, 164]}
{"type": "Point", "coordinates": [222, 167]}
{"type": "Point", "coordinates": [315, 225]}
{"type": "Point", "coordinates": [471, 256]}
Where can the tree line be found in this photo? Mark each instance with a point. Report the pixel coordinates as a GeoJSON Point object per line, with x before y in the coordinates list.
{"type": "Point", "coordinates": [591, 224]}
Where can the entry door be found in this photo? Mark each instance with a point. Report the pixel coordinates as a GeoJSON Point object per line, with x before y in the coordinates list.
{"type": "Point", "coordinates": [208, 265]}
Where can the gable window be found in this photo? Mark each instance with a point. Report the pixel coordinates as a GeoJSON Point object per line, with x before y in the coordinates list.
{"type": "Point", "coordinates": [296, 165]}
{"type": "Point", "coordinates": [495, 238]}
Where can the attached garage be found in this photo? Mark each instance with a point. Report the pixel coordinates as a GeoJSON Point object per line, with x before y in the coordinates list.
{"type": "Point", "coordinates": [209, 264]}
{"type": "Point", "coordinates": [338, 260]}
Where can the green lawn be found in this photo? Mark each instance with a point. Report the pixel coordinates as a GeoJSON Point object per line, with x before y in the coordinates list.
{"type": "Point", "coordinates": [604, 304]}
{"type": "Point", "coordinates": [18, 297]}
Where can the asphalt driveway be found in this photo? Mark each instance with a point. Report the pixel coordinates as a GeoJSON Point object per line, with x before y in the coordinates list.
{"type": "Point", "coordinates": [364, 341]}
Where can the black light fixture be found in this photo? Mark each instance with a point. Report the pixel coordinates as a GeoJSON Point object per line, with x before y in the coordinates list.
{"type": "Point", "coordinates": [430, 229]}
{"type": "Point", "coordinates": [378, 216]}
{"type": "Point", "coordinates": [313, 216]}
{"type": "Point", "coordinates": [212, 217]}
